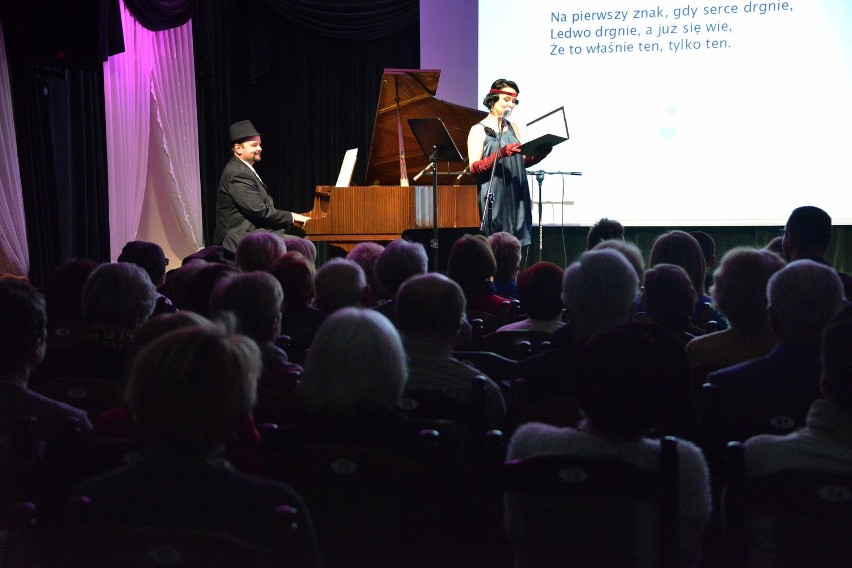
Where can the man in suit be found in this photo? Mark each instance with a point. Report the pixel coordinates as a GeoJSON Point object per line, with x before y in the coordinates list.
{"type": "Point", "coordinates": [242, 202]}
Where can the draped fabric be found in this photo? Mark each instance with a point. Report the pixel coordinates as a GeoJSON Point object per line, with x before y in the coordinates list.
{"type": "Point", "coordinates": [150, 104]}
{"type": "Point", "coordinates": [14, 253]}
{"type": "Point", "coordinates": [159, 15]}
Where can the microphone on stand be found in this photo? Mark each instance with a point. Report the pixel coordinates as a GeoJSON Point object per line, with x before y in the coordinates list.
{"type": "Point", "coordinates": [506, 113]}
{"type": "Point", "coordinates": [464, 171]}
{"type": "Point", "coordinates": [423, 171]}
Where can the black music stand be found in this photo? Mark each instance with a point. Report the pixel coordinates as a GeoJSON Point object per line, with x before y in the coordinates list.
{"type": "Point", "coordinates": [436, 143]}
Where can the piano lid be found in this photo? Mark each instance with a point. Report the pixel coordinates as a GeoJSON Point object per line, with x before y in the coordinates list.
{"type": "Point", "coordinates": [412, 92]}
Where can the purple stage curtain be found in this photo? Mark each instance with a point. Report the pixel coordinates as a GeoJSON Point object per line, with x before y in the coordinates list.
{"type": "Point", "coordinates": [152, 140]}
{"type": "Point", "coordinates": [14, 252]}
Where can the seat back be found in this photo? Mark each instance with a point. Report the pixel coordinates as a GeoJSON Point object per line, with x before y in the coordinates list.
{"type": "Point", "coordinates": [79, 543]}
{"type": "Point", "coordinates": [802, 517]}
{"type": "Point", "coordinates": [516, 344]}
{"type": "Point", "coordinates": [95, 396]}
{"type": "Point", "coordinates": [370, 506]}
{"type": "Point", "coordinates": [581, 511]}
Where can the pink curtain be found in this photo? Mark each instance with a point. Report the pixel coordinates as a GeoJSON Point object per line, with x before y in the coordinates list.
{"type": "Point", "coordinates": [152, 137]}
{"type": "Point", "coordinates": [14, 253]}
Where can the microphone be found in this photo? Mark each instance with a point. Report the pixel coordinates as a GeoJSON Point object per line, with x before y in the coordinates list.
{"type": "Point", "coordinates": [506, 113]}
{"type": "Point", "coordinates": [464, 171]}
{"type": "Point", "coordinates": [423, 171]}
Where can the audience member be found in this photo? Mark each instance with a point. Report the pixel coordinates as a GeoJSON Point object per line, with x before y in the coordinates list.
{"type": "Point", "coordinates": [430, 309]}
{"type": "Point", "coordinates": [598, 292]}
{"type": "Point", "coordinates": [64, 290]}
{"type": "Point", "coordinates": [824, 443]}
{"type": "Point", "coordinates": [668, 300]}
{"type": "Point", "coordinates": [187, 390]}
{"type": "Point", "coordinates": [117, 299]}
{"type": "Point", "coordinates": [629, 380]}
{"type": "Point", "coordinates": [399, 261]}
{"type": "Point", "coordinates": [540, 293]}
{"type": "Point", "coordinates": [354, 376]}
{"type": "Point", "coordinates": [194, 289]}
{"type": "Point", "coordinates": [803, 297]}
{"type": "Point", "coordinates": [708, 249]}
{"type": "Point", "coordinates": [472, 265]}
{"type": "Point", "coordinates": [257, 250]}
{"type": "Point", "coordinates": [682, 249]}
{"type": "Point", "coordinates": [365, 255]}
{"type": "Point", "coordinates": [776, 246]}
{"type": "Point", "coordinates": [739, 293]}
{"type": "Point", "coordinates": [604, 230]}
{"type": "Point", "coordinates": [23, 339]}
{"type": "Point", "coordinates": [296, 275]}
{"type": "Point", "coordinates": [150, 256]}
{"type": "Point", "coordinates": [507, 254]}
{"type": "Point", "coordinates": [255, 299]}
{"type": "Point", "coordinates": [340, 283]}
{"type": "Point", "coordinates": [630, 251]}
{"type": "Point", "coordinates": [304, 246]}
{"type": "Point", "coordinates": [807, 235]}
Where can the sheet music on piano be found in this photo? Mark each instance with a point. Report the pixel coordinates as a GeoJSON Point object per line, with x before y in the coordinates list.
{"type": "Point", "coordinates": [344, 178]}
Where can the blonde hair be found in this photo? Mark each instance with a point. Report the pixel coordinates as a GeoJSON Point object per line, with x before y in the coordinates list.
{"type": "Point", "coordinates": [188, 388]}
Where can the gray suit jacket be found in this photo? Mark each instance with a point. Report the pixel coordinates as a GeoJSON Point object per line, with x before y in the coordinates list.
{"type": "Point", "coordinates": [243, 205]}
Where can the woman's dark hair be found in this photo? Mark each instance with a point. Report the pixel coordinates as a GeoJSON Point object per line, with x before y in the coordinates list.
{"type": "Point", "coordinates": [491, 98]}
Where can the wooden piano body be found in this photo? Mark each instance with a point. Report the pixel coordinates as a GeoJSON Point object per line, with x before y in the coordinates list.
{"type": "Point", "coordinates": [384, 209]}
{"type": "Point", "coordinates": [346, 216]}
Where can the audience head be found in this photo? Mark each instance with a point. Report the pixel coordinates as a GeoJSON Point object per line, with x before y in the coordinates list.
{"type": "Point", "coordinates": [119, 295]}
{"type": "Point", "coordinates": [188, 388]}
{"type": "Point", "coordinates": [430, 305]}
{"type": "Point", "coordinates": [739, 286]}
{"type": "Point", "coordinates": [682, 249]}
{"type": "Point", "coordinates": [836, 379]}
{"type": "Point", "coordinates": [197, 287]}
{"type": "Point", "coordinates": [471, 261]}
{"type": "Point", "coordinates": [255, 299]}
{"type": "Point", "coordinates": [776, 245]}
{"type": "Point", "coordinates": [23, 328]}
{"type": "Point", "coordinates": [340, 283]}
{"type": "Point", "coordinates": [668, 297]}
{"type": "Point", "coordinates": [630, 251]}
{"type": "Point", "coordinates": [162, 324]}
{"type": "Point", "coordinates": [631, 379]}
{"type": "Point", "coordinates": [598, 291]}
{"type": "Point", "coordinates": [356, 364]}
{"type": "Point", "coordinates": [365, 255]}
{"type": "Point", "coordinates": [64, 292]}
{"type": "Point", "coordinates": [803, 297]}
{"type": "Point", "coordinates": [540, 291]}
{"type": "Point", "coordinates": [807, 233]}
{"type": "Point", "coordinates": [212, 253]}
{"type": "Point", "coordinates": [295, 273]}
{"type": "Point", "coordinates": [149, 256]}
{"type": "Point", "coordinates": [604, 230]}
{"type": "Point", "coordinates": [708, 247]}
{"type": "Point", "coordinates": [400, 261]}
{"type": "Point", "coordinates": [507, 254]}
{"type": "Point", "coordinates": [259, 249]}
{"type": "Point", "coordinates": [304, 246]}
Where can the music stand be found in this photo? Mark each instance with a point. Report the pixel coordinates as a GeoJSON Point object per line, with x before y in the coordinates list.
{"type": "Point", "coordinates": [437, 145]}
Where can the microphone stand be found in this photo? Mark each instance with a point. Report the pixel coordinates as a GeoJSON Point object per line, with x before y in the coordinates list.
{"type": "Point", "coordinates": [539, 177]}
{"type": "Point", "coordinates": [489, 196]}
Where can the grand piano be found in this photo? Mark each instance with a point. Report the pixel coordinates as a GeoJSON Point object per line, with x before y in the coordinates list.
{"type": "Point", "coordinates": [391, 202]}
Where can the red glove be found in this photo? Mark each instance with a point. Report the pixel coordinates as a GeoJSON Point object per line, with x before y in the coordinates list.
{"type": "Point", "coordinates": [486, 164]}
